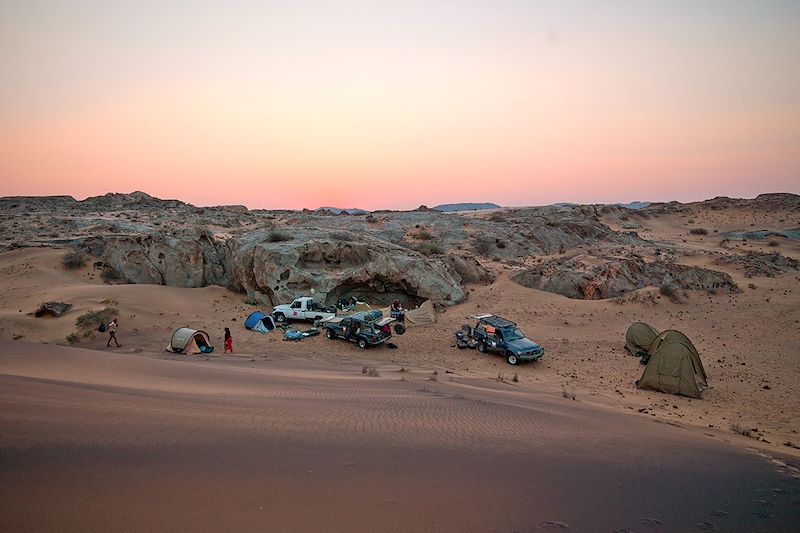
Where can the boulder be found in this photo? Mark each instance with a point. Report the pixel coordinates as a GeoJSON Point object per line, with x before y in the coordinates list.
{"type": "Point", "coordinates": [52, 309]}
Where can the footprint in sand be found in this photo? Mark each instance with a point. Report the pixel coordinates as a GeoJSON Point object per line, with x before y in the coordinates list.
{"type": "Point", "coordinates": [762, 514]}
{"type": "Point", "coordinates": [551, 524]}
{"type": "Point", "coordinates": [718, 513]}
{"type": "Point", "coordinates": [704, 525]}
{"type": "Point", "coordinates": [651, 522]}
{"type": "Point", "coordinates": [623, 531]}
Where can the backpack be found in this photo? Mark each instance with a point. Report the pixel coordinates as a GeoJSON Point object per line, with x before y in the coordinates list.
{"type": "Point", "coordinates": [101, 328]}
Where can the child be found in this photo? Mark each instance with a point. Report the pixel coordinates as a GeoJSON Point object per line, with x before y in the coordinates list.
{"type": "Point", "coordinates": [228, 341]}
{"type": "Point", "coordinates": [112, 333]}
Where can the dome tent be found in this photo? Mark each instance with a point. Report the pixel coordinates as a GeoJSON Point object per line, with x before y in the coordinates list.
{"type": "Point", "coordinates": [639, 337]}
{"type": "Point", "coordinates": [672, 369]}
{"type": "Point", "coordinates": [671, 336]}
{"type": "Point", "coordinates": [259, 321]}
{"type": "Point", "coordinates": [189, 341]}
{"type": "Point", "coordinates": [673, 366]}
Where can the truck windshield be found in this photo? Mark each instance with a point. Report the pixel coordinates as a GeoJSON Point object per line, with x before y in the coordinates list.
{"type": "Point", "coordinates": [512, 334]}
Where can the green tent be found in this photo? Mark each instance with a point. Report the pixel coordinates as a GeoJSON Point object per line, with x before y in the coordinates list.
{"type": "Point", "coordinates": [672, 369]}
{"type": "Point", "coordinates": [674, 336]}
{"type": "Point", "coordinates": [639, 337]}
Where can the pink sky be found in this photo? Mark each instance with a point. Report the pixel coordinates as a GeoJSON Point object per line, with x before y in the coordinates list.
{"type": "Point", "coordinates": [385, 105]}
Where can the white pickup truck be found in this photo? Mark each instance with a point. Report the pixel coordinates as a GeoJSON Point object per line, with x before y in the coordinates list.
{"type": "Point", "coordinates": [303, 308]}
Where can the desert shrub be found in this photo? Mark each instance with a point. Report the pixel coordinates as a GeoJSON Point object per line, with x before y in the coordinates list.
{"type": "Point", "coordinates": [72, 338]}
{"type": "Point", "coordinates": [92, 319]}
{"type": "Point", "coordinates": [500, 244]}
{"type": "Point", "coordinates": [484, 247]}
{"type": "Point", "coordinates": [343, 236]}
{"type": "Point", "coordinates": [671, 291]}
{"type": "Point", "coordinates": [434, 376]}
{"type": "Point", "coordinates": [109, 274]}
{"type": "Point", "coordinates": [773, 243]}
{"type": "Point", "coordinates": [370, 371]}
{"type": "Point", "coordinates": [278, 236]}
{"type": "Point", "coordinates": [371, 219]}
{"type": "Point", "coordinates": [73, 259]}
{"type": "Point", "coordinates": [739, 429]}
{"type": "Point", "coordinates": [428, 249]}
{"type": "Point", "coordinates": [698, 231]}
{"type": "Point", "coordinates": [497, 217]}
{"type": "Point", "coordinates": [567, 394]}
{"type": "Point", "coordinates": [515, 378]}
{"type": "Point", "coordinates": [424, 235]}
{"type": "Point", "coordinates": [751, 285]}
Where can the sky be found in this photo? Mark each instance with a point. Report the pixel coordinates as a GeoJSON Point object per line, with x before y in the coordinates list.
{"type": "Point", "coordinates": [372, 104]}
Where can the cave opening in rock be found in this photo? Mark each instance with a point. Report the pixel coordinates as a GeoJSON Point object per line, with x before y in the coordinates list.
{"type": "Point", "coordinates": [376, 292]}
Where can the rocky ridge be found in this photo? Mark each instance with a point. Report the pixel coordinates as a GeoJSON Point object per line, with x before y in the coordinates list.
{"type": "Point", "coordinates": [413, 255]}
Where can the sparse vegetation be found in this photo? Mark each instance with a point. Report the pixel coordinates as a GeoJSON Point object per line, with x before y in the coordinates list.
{"type": "Point", "coordinates": [343, 236]}
{"type": "Point", "coordinates": [773, 243]}
{"type": "Point", "coordinates": [92, 319]}
{"type": "Point", "coordinates": [370, 371]}
{"type": "Point", "coordinates": [567, 394]}
{"type": "Point", "coordinates": [424, 235]}
{"type": "Point", "coordinates": [739, 429]}
{"type": "Point", "coordinates": [434, 376]}
{"type": "Point", "coordinates": [515, 378]}
{"type": "Point", "coordinates": [109, 273]}
{"type": "Point", "coordinates": [73, 259]}
{"type": "Point", "coordinates": [72, 338]}
{"type": "Point", "coordinates": [751, 285]}
{"type": "Point", "coordinates": [671, 291]}
{"type": "Point", "coordinates": [428, 249]}
{"type": "Point", "coordinates": [698, 231]}
{"type": "Point", "coordinates": [500, 244]}
{"type": "Point", "coordinates": [278, 236]}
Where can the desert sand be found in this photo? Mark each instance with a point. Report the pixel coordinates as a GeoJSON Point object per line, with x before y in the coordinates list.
{"type": "Point", "coordinates": [292, 435]}
{"type": "Point", "coordinates": [100, 442]}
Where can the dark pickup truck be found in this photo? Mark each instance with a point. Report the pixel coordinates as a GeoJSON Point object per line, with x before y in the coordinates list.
{"type": "Point", "coordinates": [364, 328]}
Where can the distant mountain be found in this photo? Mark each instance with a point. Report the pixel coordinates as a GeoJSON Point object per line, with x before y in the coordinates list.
{"type": "Point", "coordinates": [635, 205]}
{"type": "Point", "coordinates": [338, 211]}
{"type": "Point", "coordinates": [447, 208]}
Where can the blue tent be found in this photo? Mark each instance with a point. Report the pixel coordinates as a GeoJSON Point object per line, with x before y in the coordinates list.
{"type": "Point", "coordinates": [259, 321]}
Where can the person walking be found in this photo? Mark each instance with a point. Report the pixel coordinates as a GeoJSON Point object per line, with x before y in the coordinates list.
{"type": "Point", "coordinates": [112, 333]}
{"type": "Point", "coordinates": [228, 341]}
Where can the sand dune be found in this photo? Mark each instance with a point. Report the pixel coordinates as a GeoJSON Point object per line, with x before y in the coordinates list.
{"type": "Point", "coordinates": [130, 442]}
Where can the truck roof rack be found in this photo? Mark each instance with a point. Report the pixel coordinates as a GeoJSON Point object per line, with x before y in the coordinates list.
{"type": "Point", "coordinates": [496, 321]}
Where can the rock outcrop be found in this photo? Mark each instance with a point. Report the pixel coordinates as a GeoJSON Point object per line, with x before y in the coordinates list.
{"type": "Point", "coordinates": [755, 264]}
{"type": "Point", "coordinates": [377, 271]}
{"type": "Point", "coordinates": [589, 277]}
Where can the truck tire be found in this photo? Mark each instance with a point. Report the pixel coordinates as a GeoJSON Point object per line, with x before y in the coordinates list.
{"type": "Point", "coordinates": [280, 318]}
{"type": "Point", "coordinates": [329, 333]}
{"type": "Point", "coordinates": [482, 347]}
{"type": "Point", "coordinates": [399, 328]}
{"type": "Point", "coordinates": [362, 343]}
{"type": "Point", "coordinates": [512, 359]}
